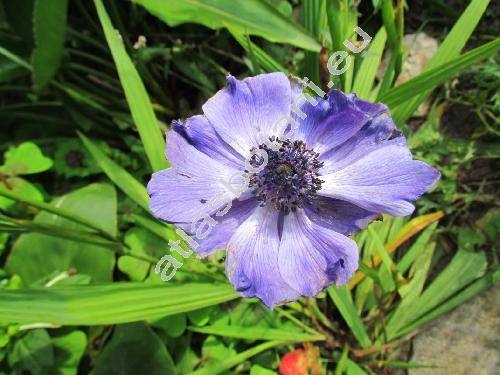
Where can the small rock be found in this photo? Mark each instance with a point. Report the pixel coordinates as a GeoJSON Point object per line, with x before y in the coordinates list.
{"type": "Point", "coordinates": [465, 341]}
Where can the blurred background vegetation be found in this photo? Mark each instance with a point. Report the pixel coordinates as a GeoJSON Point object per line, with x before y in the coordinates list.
{"type": "Point", "coordinates": [86, 90]}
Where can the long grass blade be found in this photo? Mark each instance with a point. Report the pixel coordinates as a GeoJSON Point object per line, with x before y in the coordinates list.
{"type": "Point", "coordinates": [135, 92]}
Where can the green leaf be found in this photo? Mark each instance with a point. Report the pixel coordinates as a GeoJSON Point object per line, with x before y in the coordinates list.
{"type": "Point", "coordinates": [137, 97]}
{"type": "Point", "coordinates": [49, 27]}
{"type": "Point", "coordinates": [35, 255]}
{"type": "Point", "coordinates": [254, 17]}
{"type": "Point", "coordinates": [449, 49]}
{"type": "Point", "coordinates": [27, 158]}
{"type": "Point", "coordinates": [259, 370]}
{"type": "Point", "coordinates": [257, 333]}
{"type": "Point", "coordinates": [365, 76]}
{"type": "Point", "coordinates": [68, 350]}
{"type": "Point", "coordinates": [124, 180]}
{"type": "Point", "coordinates": [464, 268]}
{"type": "Point", "coordinates": [469, 292]}
{"type": "Point", "coordinates": [134, 349]}
{"type": "Point", "coordinates": [432, 78]}
{"type": "Point", "coordinates": [108, 303]}
{"type": "Point", "coordinates": [173, 325]}
{"type": "Point", "coordinates": [342, 299]}
{"type": "Point", "coordinates": [268, 63]}
{"type": "Point", "coordinates": [33, 352]}
{"type": "Point", "coordinates": [22, 187]}
{"type": "Point", "coordinates": [231, 361]}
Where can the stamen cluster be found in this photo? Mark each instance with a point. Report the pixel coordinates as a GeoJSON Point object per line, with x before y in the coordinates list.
{"type": "Point", "coordinates": [290, 178]}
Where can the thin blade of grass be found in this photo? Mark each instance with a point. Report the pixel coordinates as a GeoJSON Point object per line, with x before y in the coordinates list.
{"type": "Point", "coordinates": [257, 333]}
{"type": "Point", "coordinates": [365, 76]}
{"type": "Point", "coordinates": [432, 78]}
{"type": "Point", "coordinates": [342, 299]}
{"type": "Point", "coordinates": [449, 49]}
{"type": "Point", "coordinates": [135, 92]}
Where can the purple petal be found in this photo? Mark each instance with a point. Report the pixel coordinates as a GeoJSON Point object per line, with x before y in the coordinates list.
{"type": "Point", "coordinates": [223, 230]}
{"type": "Point", "coordinates": [385, 180]}
{"type": "Point", "coordinates": [243, 109]}
{"type": "Point", "coordinates": [335, 120]}
{"type": "Point", "coordinates": [184, 192]}
{"type": "Point", "coordinates": [201, 134]}
{"type": "Point", "coordinates": [341, 216]}
{"type": "Point", "coordinates": [379, 132]}
{"type": "Point", "coordinates": [252, 259]}
{"type": "Point", "coordinates": [312, 257]}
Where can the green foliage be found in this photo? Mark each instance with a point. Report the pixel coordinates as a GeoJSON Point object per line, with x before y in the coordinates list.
{"type": "Point", "coordinates": [255, 17]}
{"type": "Point", "coordinates": [49, 19]}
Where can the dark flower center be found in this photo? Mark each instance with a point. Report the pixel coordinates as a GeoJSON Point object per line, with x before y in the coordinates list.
{"type": "Point", "coordinates": [290, 178]}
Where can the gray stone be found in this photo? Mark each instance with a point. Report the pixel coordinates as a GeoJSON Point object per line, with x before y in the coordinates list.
{"type": "Point", "coordinates": [465, 341]}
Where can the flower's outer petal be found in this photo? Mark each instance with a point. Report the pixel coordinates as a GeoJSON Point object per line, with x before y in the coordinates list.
{"type": "Point", "coordinates": [185, 191]}
{"type": "Point", "coordinates": [200, 133]}
{"type": "Point", "coordinates": [341, 216]}
{"type": "Point", "coordinates": [385, 180]}
{"type": "Point", "coordinates": [252, 259]}
{"type": "Point", "coordinates": [379, 132]}
{"type": "Point", "coordinates": [334, 120]}
{"type": "Point", "coordinates": [225, 226]}
{"type": "Point", "coordinates": [311, 257]}
{"type": "Point", "coordinates": [245, 112]}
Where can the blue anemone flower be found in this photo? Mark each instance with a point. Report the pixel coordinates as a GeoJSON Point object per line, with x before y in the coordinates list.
{"type": "Point", "coordinates": [304, 190]}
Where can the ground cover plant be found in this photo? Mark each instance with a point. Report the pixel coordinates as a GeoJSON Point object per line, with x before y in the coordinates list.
{"type": "Point", "coordinates": [87, 92]}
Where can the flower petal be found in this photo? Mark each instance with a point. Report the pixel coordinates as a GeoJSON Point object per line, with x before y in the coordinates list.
{"type": "Point", "coordinates": [341, 216]}
{"type": "Point", "coordinates": [252, 259]}
{"type": "Point", "coordinates": [311, 257]}
{"type": "Point", "coordinates": [334, 120]}
{"type": "Point", "coordinates": [226, 225]}
{"type": "Point", "coordinates": [200, 133]}
{"type": "Point", "coordinates": [243, 109]}
{"type": "Point", "coordinates": [185, 191]}
{"type": "Point", "coordinates": [385, 180]}
{"type": "Point", "coordinates": [379, 132]}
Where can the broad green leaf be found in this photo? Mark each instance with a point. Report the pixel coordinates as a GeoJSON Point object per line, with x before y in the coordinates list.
{"type": "Point", "coordinates": [49, 28]}
{"type": "Point", "coordinates": [27, 158]}
{"type": "Point", "coordinates": [135, 92]}
{"type": "Point", "coordinates": [449, 49]}
{"type": "Point", "coordinates": [231, 361]}
{"type": "Point", "coordinates": [108, 303]}
{"type": "Point", "coordinates": [33, 352]}
{"type": "Point", "coordinates": [134, 349]}
{"type": "Point", "coordinates": [68, 350]}
{"type": "Point", "coordinates": [254, 17]}
{"type": "Point", "coordinates": [365, 75]}
{"type": "Point", "coordinates": [173, 325]}
{"type": "Point", "coordinates": [124, 180]}
{"type": "Point", "coordinates": [432, 78]}
{"type": "Point", "coordinates": [342, 299]}
{"type": "Point", "coordinates": [35, 255]}
{"type": "Point", "coordinates": [257, 333]}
